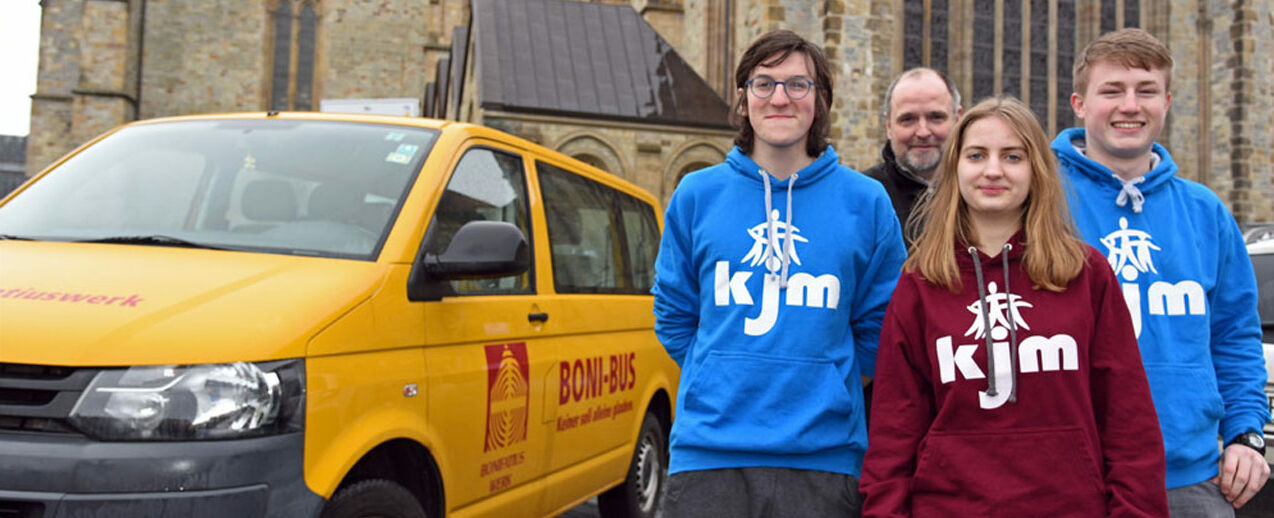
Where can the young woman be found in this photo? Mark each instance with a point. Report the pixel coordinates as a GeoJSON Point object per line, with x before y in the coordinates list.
{"type": "Point", "coordinates": [1008, 381]}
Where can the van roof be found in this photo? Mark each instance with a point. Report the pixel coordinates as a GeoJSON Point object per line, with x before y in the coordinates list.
{"type": "Point", "coordinates": [421, 122]}
{"type": "Point", "coordinates": [1261, 247]}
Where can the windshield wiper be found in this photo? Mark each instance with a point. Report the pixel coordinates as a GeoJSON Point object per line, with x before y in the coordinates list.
{"type": "Point", "coordinates": [155, 239]}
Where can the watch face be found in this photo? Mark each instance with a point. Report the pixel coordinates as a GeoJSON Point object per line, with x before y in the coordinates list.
{"type": "Point", "coordinates": [1254, 440]}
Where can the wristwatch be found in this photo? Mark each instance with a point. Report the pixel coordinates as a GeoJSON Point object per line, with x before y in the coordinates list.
{"type": "Point", "coordinates": [1252, 440]}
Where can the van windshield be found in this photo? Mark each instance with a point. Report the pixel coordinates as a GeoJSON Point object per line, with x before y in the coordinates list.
{"type": "Point", "coordinates": [279, 186]}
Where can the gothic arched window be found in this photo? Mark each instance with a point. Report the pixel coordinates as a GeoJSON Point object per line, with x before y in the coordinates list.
{"type": "Point", "coordinates": [295, 26]}
{"type": "Point", "coordinates": [1024, 48]}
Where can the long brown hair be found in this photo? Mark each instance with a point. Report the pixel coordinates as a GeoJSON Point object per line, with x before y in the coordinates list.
{"type": "Point", "coordinates": [769, 50]}
{"type": "Point", "coordinates": [1054, 255]}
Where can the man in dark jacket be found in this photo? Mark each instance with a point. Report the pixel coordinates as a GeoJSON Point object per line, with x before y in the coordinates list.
{"type": "Point", "coordinates": [920, 108]}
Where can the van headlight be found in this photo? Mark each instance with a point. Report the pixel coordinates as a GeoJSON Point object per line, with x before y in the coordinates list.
{"type": "Point", "coordinates": [191, 402]}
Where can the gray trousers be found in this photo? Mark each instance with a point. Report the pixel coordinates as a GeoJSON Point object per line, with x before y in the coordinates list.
{"type": "Point", "coordinates": [761, 492]}
{"type": "Point", "coordinates": [1202, 500]}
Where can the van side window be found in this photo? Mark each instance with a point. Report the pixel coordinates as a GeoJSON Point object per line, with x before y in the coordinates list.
{"type": "Point", "coordinates": [486, 186]}
{"type": "Point", "coordinates": [602, 240]}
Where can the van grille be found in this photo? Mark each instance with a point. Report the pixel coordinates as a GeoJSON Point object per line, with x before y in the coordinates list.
{"type": "Point", "coordinates": [18, 509]}
{"type": "Point", "coordinates": [39, 398]}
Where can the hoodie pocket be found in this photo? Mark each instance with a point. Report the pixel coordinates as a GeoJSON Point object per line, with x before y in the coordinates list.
{"type": "Point", "coordinates": [1041, 472]}
{"type": "Point", "coordinates": [1190, 410]}
{"type": "Point", "coordinates": [750, 402]}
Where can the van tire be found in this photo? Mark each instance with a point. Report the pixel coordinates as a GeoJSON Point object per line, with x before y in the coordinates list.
{"type": "Point", "coordinates": [642, 492]}
{"type": "Point", "coordinates": [375, 497]}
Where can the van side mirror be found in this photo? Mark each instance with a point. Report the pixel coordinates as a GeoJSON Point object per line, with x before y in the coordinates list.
{"type": "Point", "coordinates": [480, 250]}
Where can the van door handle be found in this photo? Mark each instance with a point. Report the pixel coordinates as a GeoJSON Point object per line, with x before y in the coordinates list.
{"type": "Point", "coordinates": [537, 317]}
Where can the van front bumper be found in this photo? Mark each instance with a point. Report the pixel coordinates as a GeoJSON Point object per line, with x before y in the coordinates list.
{"type": "Point", "coordinates": [55, 476]}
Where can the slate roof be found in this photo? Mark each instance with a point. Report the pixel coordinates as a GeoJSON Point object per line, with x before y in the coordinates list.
{"type": "Point", "coordinates": [13, 150]}
{"type": "Point", "coordinates": [13, 161]}
{"type": "Point", "coordinates": [586, 60]}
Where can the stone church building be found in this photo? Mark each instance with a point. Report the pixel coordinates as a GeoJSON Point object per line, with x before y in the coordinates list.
{"type": "Point", "coordinates": [641, 88]}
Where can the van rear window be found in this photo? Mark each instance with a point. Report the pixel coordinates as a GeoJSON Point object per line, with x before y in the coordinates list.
{"type": "Point", "coordinates": [602, 240]}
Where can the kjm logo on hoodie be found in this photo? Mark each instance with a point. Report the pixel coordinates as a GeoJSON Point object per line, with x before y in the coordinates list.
{"type": "Point", "coordinates": [1129, 253]}
{"type": "Point", "coordinates": [773, 240]}
{"type": "Point", "coordinates": [1034, 353]}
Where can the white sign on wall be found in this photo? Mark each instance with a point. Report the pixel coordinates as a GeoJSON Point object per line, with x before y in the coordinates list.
{"type": "Point", "coordinates": [387, 106]}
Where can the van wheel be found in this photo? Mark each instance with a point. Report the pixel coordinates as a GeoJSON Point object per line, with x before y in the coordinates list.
{"type": "Point", "coordinates": [374, 498]}
{"type": "Point", "coordinates": [643, 489]}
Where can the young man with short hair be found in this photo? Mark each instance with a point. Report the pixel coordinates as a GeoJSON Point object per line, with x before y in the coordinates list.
{"type": "Point", "coordinates": [920, 108]}
{"type": "Point", "coordinates": [771, 282]}
{"type": "Point", "coordinates": [1183, 268]}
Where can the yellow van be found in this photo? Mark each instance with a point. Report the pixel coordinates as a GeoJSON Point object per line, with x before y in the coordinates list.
{"type": "Point", "coordinates": [317, 314]}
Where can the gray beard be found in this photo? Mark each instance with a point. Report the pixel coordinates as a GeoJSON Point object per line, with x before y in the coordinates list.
{"type": "Point", "coordinates": [925, 173]}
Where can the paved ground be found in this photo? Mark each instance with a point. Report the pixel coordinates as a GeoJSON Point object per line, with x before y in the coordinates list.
{"type": "Point", "coordinates": [1260, 507]}
{"type": "Point", "coordinates": [585, 510]}
{"type": "Point", "coordinates": [1263, 505]}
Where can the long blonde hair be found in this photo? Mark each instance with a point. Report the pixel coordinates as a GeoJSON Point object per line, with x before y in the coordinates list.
{"type": "Point", "coordinates": [1054, 255]}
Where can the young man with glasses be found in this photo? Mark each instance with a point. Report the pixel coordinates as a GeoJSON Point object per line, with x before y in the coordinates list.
{"type": "Point", "coordinates": [772, 279]}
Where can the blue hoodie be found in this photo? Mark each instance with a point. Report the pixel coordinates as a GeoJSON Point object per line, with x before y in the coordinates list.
{"type": "Point", "coordinates": [1189, 286]}
{"type": "Point", "coordinates": [773, 319]}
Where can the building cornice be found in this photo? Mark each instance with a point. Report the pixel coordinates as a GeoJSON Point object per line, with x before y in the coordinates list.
{"type": "Point", "coordinates": [556, 119]}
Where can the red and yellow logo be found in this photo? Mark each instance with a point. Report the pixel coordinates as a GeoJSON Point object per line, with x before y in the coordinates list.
{"type": "Point", "coordinates": [508, 395]}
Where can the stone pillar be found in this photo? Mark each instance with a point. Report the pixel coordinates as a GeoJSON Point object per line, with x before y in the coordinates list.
{"type": "Point", "coordinates": [1210, 156]}
{"type": "Point", "coordinates": [1260, 200]}
{"type": "Point", "coordinates": [1188, 130]}
{"type": "Point", "coordinates": [666, 17]}
{"type": "Point", "coordinates": [87, 81]}
{"type": "Point", "coordinates": [50, 134]}
{"type": "Point", "coordinates": [859, 40]}
{"type": "Point", "coordinates": [102, 99]}
{"type": "Point", "coordinates": [1248, 72]}
{"type": "Point", "coordinates": [1221, 99]}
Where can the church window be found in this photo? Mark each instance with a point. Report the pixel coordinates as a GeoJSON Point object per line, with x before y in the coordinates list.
{"type": "Point", "coordinates": [1023, 48]}
{"type": "Point", "coordinates": [295, 25]}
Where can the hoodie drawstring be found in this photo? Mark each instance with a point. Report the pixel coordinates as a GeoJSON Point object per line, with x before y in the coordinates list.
{"type": "Point", "coordinates": [1008, 298]}
{"type": "Point", "coordinates": [986, 324]}
{"type": "Point", "coordinates": [785, 253]}
{"type": "Point", "coordinates": [787, 234]}
{"type": "Point", "coordinates": [1130, 191]}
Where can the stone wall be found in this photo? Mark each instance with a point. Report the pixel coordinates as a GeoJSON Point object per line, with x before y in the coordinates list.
{"type": "Point", "coordinates": [377, 49]}
{"type": "Point", "coordinates": [653, 157]}
{"type": "Point", "coordinates": [1188, 129]}
{"type": "Point", "coordinates": [667, 18]}
{"type": "Point", "coordinates": [59, 71]}
{"type": "Point", "coordinates": [1251, 38]}
{"type": "Point", "coordinates": [857, 38]}
{"type": "Point", "coordinates": [694, 36]}
{"type": "Point", "coordinates": [863, 64]}
{"type": "Point", "coordinates": [1213, 168]}
{"type": "Point", "coordinates": [105, 93]}
{"type": "Point", "coordinates": [1218, 129]}
{"type": "Point", "coordinates": [204, 57]}
{"type": "Point", "coordinates": [214, 55]}
{"type": "Point", "coordinates": [1262, 98]}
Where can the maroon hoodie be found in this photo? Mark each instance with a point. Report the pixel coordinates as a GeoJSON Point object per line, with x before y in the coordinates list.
{"type": "Point", "coordinates": [1068, 428]}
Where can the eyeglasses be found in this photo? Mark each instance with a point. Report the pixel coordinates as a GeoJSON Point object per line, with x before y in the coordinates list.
{"type": "Point", "coordinates": [796, 88]}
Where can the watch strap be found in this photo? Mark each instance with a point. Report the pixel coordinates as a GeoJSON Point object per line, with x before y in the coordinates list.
{"type": "Point", "coordinates": [1252, 440]}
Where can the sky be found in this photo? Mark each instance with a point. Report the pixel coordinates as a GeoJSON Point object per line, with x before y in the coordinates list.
{"type": "Point", "coordinates": [19, 56]}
